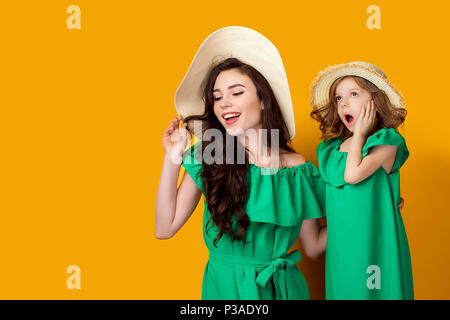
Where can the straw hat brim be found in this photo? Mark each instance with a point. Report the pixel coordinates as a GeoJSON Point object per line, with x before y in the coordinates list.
{"type": "Point", "coordinates": [322, 84]}
{"type": "Point", "coordinates": [250, 47]}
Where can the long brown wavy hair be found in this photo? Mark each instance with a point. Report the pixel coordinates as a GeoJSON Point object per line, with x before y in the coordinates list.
{"type": "Point", "coordinates": [225, 184]}
{"type": "Point", "coordinates": [331, 125]}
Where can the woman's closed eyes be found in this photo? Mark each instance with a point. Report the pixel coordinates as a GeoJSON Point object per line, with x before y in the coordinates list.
{"type": "Point", "coordinates": [234, 94]}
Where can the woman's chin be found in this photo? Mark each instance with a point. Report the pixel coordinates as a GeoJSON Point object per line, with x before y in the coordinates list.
{"type": "Point", "coordinates": [235, 131]}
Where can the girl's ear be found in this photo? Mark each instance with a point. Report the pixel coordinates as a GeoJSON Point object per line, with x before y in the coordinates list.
{"type": "Point", "coordinates": [262, 105]}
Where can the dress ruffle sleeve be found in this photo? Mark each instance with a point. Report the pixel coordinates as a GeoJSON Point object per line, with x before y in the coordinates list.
{"type": "Point", "coordinates": [388, 136]}
{"type": "Point", "coordinates": [286, 196]}
{"type": "Point", "coordinates": [331, 162]}
{"type": "Point", "coordinates": [192, 163]}
{"type": "Point", "coordinates": [313, 193]}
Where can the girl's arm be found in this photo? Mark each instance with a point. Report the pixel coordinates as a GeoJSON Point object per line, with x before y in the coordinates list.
{"type": "Point", "coordinates": [313, 238]}
{"type": "Point", "coordinates": [358, 169]}
{"type": "Point", "coordinates": [174, 206]}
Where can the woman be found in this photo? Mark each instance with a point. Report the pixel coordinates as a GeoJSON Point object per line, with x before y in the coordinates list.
{"type": "Point", "coordinates": [255, 206]}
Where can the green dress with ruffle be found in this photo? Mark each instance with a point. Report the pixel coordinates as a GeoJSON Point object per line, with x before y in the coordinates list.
{"type": "Point", "coordinates": [259, 268]}
{"type": "Point", "coordinates": [367, 253]}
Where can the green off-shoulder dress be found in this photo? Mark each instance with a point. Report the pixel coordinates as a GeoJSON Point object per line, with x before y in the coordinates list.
{"type": "Point", "coordinates": [367, 253]}
{"type": "Point", "coordinates": [278, 200]}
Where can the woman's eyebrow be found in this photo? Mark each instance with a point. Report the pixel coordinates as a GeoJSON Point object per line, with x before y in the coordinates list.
{"type": "Point", "coordinates": [231, 87]}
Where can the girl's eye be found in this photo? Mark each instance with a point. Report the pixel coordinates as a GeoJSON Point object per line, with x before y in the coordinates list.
{"type": "Point", "coordinates": [217, 98]}
{"type": "Point", "coordinates": [356, 93]}
{"type": "Point", "coordinates": [338, 99]}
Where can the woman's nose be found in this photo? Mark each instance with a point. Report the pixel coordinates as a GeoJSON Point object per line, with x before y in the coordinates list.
{"type": "Point", "coordinates": [225, 103]}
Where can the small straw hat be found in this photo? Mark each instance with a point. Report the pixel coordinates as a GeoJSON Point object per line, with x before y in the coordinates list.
{"type": "Point", "coordinates": [322, 84]}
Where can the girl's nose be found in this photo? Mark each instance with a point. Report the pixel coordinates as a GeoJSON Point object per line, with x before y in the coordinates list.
{"type": "Point", "coordinates": [344, 103]}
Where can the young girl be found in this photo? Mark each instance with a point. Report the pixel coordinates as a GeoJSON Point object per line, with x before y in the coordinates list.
{"type": "Point", "coordinates": [253, 209]}
{"type": "Point", "coordinates": [359, 158]}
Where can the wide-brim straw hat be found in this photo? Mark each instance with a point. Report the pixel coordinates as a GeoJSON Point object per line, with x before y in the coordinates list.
{"type": "Point", "coordinates": [247, 45]}
{"type": "Point", "coordinates": [321, 86]}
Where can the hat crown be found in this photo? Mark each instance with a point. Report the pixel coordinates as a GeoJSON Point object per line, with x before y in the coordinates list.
{"type": "Point", "coordinates": [371, 66]}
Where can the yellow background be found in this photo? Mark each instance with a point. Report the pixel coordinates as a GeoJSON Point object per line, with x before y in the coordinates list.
{"type": "Point", "coordinates": [83, 113]}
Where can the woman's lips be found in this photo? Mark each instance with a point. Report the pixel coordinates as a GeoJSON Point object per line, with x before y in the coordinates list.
{"type": "Point", "coordinates": [232, 120]}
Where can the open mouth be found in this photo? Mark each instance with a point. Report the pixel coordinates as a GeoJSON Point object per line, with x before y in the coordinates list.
{"type": "Point", "coordinates": [231, 118]}
{"type": "Point", "coordinates": [349, 119]}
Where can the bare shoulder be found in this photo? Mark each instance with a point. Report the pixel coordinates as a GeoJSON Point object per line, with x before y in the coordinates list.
{"type": "Point", "coordinates": [291, 159]}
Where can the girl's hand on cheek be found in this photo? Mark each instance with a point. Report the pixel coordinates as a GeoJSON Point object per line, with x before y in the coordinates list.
{"type": "Point", "coordinates": [366, 119]}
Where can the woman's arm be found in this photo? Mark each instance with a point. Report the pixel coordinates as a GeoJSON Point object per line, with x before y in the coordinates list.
{"type": "Point", "coordinates": [174, 206]}
{"type": "Point", "coordinates": [313, 238]}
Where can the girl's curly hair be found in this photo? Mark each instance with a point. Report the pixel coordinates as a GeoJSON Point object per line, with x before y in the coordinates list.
{"type": "Point", "coordinates": [331, 125]}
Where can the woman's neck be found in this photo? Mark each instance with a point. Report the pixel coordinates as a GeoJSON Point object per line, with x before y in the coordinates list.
{"type": "Point", "coordinates": [259, 152]}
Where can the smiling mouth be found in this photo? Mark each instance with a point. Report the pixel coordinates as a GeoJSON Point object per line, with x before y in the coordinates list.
{"type": "Point", "coordinates": [232, 118]}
